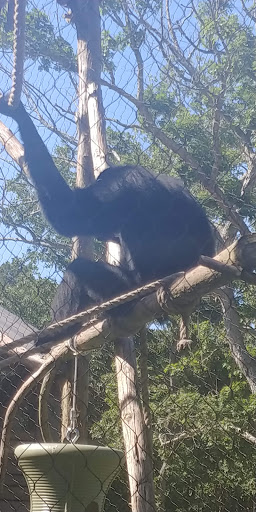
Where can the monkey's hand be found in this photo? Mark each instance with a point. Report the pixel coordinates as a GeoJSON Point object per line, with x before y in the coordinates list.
{"type": "Point", "coordinates": [6, 109]}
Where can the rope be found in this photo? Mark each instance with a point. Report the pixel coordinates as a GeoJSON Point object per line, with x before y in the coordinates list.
{"type": "Point", "coordinates": [56, 332]}
{"type": "Point", "coordinates": [88, 316]}
{"type": "Point", "coordinates": [18, 52]}
{"type": "Point", "coordinates": [184, 340]}
{"type": "Point", "coordinates": [43, 417]}
{"type": "Point", "coordinates": [11, 411]}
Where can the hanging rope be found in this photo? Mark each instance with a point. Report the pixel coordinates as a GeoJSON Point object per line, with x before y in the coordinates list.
{"type": "Point", "coordinates": [18, 52]}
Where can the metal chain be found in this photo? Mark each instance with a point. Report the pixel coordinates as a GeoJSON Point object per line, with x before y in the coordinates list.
{"type": "Point", "coordinates": [73, 433]}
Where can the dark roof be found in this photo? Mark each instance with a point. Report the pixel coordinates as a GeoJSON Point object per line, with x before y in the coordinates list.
{"type": "Point", "coordinates": [12, 326]}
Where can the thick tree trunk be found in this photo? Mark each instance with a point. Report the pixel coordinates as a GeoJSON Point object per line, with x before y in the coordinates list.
{"type": "Point", "coordinates": [82, 246]}
{"type": "Point", "coordinates": [139, 462]}
{"type": "Point", "coordinates": [87, 20]}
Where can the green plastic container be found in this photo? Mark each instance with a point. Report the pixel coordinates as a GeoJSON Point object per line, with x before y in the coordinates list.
{"type": "Point", "coordinates": [68, 477]}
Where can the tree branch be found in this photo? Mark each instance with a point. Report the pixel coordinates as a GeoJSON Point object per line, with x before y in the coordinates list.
{"type": "Point", "coordinates": [181, 295]}
{"type": "Point", "coordinates": [13, 147]}
{"type": "Point", "coordinates": [246, 435]}
{"type": "Point", "coordinates": [136, 51]}
{"type": "Point", "coordinates": [216, 137]}
{"type": "Point", "coordinates": [245, 362]}
{"type": "Point", "coordinates": [187, 157]}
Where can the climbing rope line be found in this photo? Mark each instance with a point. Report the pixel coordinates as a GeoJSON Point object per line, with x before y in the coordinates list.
{"type": "Point", "coordinates": [18, 51]}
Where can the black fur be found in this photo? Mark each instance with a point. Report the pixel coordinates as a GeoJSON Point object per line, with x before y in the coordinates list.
{"type": "Point", "coordinates": [163, 227]}
{"type": "Point", "coordinates": [86, 283]}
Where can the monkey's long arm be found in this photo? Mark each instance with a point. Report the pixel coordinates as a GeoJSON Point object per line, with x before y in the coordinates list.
{"type": "Point", "coordinates": [56, 198]}
{"type": "Point", "coordinates": [88, 211]}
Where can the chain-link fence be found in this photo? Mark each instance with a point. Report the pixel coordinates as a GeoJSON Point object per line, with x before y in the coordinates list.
{"type": "Point", "coordinates": [178, 86]}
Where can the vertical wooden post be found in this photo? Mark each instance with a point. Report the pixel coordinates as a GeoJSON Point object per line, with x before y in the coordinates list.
{"type": "Point", "coordinates": [138, 458]}
{"type": "Point", "coordinates": [82, 246]}
{"type": "Point", "coordinates": [86, 16]}
{"type": "Point", "coordinates": [87, 20]}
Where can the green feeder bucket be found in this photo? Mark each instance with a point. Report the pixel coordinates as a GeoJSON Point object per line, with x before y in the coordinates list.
{"type": "Point", "coordinates": [68, 477]}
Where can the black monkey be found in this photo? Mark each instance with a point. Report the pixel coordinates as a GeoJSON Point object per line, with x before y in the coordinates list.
{"type": "Point", "coordinates": [86, 283]}
{"type": "Point", "coordinates": [155, 218]}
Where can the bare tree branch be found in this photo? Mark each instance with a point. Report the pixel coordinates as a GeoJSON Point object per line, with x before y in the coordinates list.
{"type": "Point", "coordinates": [216, 137]}
{"type": "Point", "coordinates": [135, 48]}
{"type": "Point", "coordinates": [13, 147]}
{"type": "Point", "coordinates": [249, 178]}
{"type": "Point", "coordinates": [39, 243]}
{"type": "Point", "coordinates": [170, 25]}
{"type": "Point", "coordinates": [187, 157]}
{"type": "Point", "coordinates": [245, 362]}
{"type": "Point", "coordinates": [179, 296]}
{"type": "Point", "coordinates": [243, 433]}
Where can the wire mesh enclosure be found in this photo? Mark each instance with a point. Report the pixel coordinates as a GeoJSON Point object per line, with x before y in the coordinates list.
{"type": "Point", "coordinates": [166, 372]}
